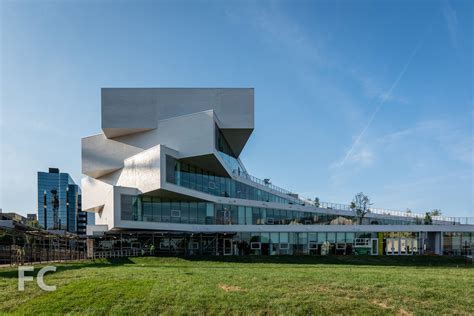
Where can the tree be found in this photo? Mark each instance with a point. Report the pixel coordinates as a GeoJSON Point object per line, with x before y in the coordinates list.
{"type": "Point", "coordinates": [428, 219]}
{"type": "Point", "coordinates": [408, 211]}
{"type": "Point", "coordinates": [360, 205]}
{"type": "Point", "coordinates": [429, 216]}
{"type": "Point", "coordinates": [34, 223]}
{"type": "Point", "coordinates": [316, 202]}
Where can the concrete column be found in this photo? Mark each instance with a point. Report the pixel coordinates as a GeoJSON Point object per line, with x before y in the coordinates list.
{"type": "Point", "coordinates": [438, 243]}
{"type": "Point", "coordinates": [441, 245]}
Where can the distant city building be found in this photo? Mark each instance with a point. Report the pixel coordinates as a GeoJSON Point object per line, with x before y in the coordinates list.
{"type": "Point", "coordinates": [59, 206]}
{"type": "Point", "coordinates": [13, 216]}
{"type": "Point", "coordinates": [83, 218]}
{"type": "Point", "coordinates": [31, 217]}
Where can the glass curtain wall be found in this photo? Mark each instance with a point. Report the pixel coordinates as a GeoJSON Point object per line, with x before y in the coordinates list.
{"type": "Point", "coordinates": [195, 178]}
{"type": "Point", "coordinates": [284, 243]}
{"type": "Point", "coordinates": [155, 209]}
{"type": "Point", "coordinates": [457, 244]}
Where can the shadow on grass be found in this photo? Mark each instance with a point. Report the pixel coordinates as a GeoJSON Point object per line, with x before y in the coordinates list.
{"type": "Point", "coordinates": [67, 266]}
{"type": "Point", "coordinates": [168, 262]}
{"type": "Point", "coordinates": [414, 261]}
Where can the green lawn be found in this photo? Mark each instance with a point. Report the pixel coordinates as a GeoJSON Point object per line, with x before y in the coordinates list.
{"type": "Point", "coordinates": [251, 285]}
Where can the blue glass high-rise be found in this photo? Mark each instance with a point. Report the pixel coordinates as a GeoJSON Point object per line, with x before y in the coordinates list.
{"type": "Point", "coordinates": [59, 202]}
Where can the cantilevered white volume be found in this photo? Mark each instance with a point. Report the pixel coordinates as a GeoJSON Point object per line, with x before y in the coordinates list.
{"type": "Point", "coordinates": [141, 126]}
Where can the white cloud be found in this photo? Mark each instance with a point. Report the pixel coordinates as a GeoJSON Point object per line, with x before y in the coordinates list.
{"type": "Point", "coordinates": [363, 157]}
{"type": "Point", "coordinates": [447, 136]}
{"type": "Point", "coordinates": [380, 104]}
{"type": "Point", "coordinates": [374, 89]}
{"type": "Point", "coordinates": [420, 144]}
{"type": "Point", "coordinates": [451, 19]}
{"type": "Point", "coordinates": [422, 162]}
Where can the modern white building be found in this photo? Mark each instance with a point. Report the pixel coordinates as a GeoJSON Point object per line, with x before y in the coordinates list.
{"type": "Point", "coordinates": [165, 174]}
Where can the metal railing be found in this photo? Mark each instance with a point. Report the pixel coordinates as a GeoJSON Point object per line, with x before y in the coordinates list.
{"type": "Point", "coordinates": [263, 182]}
{"type": "Point", "coordinates": [116, 253]}
{"type": "Point", "coordinates": [381, 211]}
{"type": "Point", "coordinates": [239, 171]}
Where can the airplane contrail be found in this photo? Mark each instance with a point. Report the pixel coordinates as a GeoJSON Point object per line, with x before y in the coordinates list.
{"type": "Point", "coordinates": [381, 103]}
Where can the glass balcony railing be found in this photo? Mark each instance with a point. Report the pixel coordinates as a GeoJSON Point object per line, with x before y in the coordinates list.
{"type": "Point", "coordinates": [238, 170]}
{"type": "Point", "coordinates": [421, 217]}
{"type": "Point", "coordinates": [232, 163]}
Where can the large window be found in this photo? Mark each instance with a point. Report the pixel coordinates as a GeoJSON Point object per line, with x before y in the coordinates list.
{"type": "Point", "coordinates": [195, 178]}
{"type": "Point", "coordinates": [457, 243]}
{"type": "Point", "coordinates": [126, 203]}
{"type": "Point", "coordinates": [155, 209]}
{"type": "Point", "coordinates": [222, 145]}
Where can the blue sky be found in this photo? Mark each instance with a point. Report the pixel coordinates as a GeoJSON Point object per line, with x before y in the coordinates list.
{"type": "Point", "coordinates": [372, 96]}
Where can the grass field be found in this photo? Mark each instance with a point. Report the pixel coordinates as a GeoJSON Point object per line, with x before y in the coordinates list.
{"type": "Point", "coordinates": [251, 285]}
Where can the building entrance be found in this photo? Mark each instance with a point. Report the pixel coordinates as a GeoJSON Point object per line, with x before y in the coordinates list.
{"type": "Point", "coordinates": [227, 247]}
{"type": "Point", "coordinates": [401, 246]}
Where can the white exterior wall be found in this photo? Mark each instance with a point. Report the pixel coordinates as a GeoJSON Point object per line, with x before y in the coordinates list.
{"type": "Point", "coordinates": [142, 171]}
{"type": "Point", "coordinates": [131, 110]}
{"type": "Point", "coordinates": [190, 135]}
{"type": "Point", "coordinates": [101, 155]}
{"type": "Point", "coordinates": [95, 194]}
